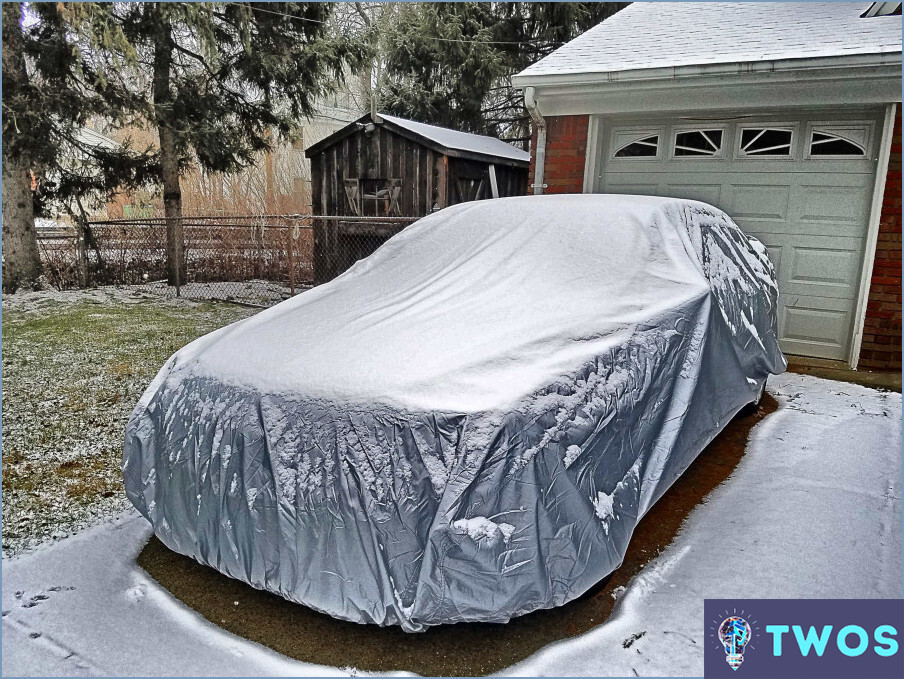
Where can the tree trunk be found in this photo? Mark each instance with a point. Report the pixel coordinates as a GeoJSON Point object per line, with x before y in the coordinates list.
{"type": "Point", "coordinates": [272, 207]}
{"type": "Point", "coordinates": [172, 209]}
{"type": "Point", "coordinates": [21, 261]}
{"type": "Point", "coordinates": [169, 159]}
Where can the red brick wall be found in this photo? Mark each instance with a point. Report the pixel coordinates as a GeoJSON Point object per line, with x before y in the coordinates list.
{"type": "Point", "coordinates": [566, 147]}
{"type": "Point", "coordinates": [881, 346]}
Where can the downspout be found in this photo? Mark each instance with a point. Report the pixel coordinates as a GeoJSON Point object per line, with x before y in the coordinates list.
{"type": "Point", "coordinates": [540, 152]}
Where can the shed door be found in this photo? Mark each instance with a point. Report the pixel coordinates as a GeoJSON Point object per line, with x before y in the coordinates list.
{"type": "Point", "coordinates": [801, 184]}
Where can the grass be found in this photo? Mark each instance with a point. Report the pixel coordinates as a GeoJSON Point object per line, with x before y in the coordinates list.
{"type": "Point", "coordinates": [71, 375]}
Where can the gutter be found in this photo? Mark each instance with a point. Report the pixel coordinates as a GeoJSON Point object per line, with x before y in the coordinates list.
{"type": "Point", "coordinates": [530, 103]}
{"type": "Point", "coordinates": [528, 80]}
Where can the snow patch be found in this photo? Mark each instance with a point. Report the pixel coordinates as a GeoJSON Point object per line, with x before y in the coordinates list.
{"type": "Point", "coordinates": [571, 454]}
{"type": "Point", "coordinates": [604, 506]}
{"type": "Point", "coordinates": [480, 528]}
{"type": "Point", "coordinates": [137, 593]}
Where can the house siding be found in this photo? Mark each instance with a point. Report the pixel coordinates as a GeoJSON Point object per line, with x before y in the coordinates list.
{"type": "Point", "coordinates": [881, 347]}
{"type": "Point", "coordinates": [566, 148]}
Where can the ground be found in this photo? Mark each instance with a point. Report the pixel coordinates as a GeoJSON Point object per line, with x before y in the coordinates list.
{"type": "Point", "coordinates": [74, 364]}
{"type": "Point", "coordinates": [813, 509]}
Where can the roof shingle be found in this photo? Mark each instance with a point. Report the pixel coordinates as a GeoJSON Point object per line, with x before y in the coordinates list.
{"type": "Point", "coordinates": [649, 35]}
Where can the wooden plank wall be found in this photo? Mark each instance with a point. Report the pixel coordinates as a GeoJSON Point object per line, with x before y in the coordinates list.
{"type": "Point", "coordinates": [382, 154]}
{"type": "Point", "coordinates": [511, 181]}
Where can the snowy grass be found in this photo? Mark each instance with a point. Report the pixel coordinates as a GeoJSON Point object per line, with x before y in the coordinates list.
{"type": "Point", "coordinates": [74, 364]}
{"type": "Point", "coordinates": [255, 292]}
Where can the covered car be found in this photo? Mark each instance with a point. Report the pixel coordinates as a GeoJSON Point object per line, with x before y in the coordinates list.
{"type": "Point", "coordinates": [468, 424]}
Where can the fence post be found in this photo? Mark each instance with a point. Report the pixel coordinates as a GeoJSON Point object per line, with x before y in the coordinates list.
{"type": "Point", "coordinates": [82, 250]}
{"type": "Point", "coordinates": [258, 231]}
{"type": "Point", "coordinates": [321, 251]}
{"type": "Point", "coordinates": [175, 247]}
{"type": "Point", "coordinates": [291, 251]}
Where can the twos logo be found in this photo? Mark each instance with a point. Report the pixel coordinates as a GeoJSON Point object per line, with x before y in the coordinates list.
{"type": "Point", "coordinates": [799, 638]}
{"type": "Point", "coordinates": [734, 633]}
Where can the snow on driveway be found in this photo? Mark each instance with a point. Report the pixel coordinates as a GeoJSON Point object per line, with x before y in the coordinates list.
{"type": "Point", "coordinates": [812, 511]}
{"type": "Point", "coordinates": [81, 607]}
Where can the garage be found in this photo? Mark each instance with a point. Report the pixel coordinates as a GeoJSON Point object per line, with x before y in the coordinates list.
{"type": "Point", "coordinates": [801, 184]}
{"type": "Point", "coordinates": [785, 115]}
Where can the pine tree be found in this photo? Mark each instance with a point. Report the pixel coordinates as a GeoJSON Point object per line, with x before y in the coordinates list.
{"type": "Point", "coordinates": [217, 81]}
{"type": "Point", "coordinates": [51, 90]}
{"type": "Point", "coordinates": [450, 63]}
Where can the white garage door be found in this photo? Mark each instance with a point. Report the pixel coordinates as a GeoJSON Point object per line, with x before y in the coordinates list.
{"type": "Point", "coordinates": [801, 184]}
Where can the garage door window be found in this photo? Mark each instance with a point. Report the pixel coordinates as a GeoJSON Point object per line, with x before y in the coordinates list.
{"type": "Point", "coordinates": [698, 143]}
{"type": "Point", "coordinates": [765, 141]}
{"type": "Point", "coordinates": [645, 147]}
{"type": "Point", "coordinates": [828, 144]}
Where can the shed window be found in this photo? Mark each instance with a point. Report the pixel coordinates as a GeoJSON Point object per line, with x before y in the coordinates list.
{"type": "Point", "coordinates": [698, 143]}
{"type": "Point", "coordinates": [646, 147]}
{"type": "Point", "coordinates": [826, 144]}
{"type": "Point", "coordinates": [764, 141]}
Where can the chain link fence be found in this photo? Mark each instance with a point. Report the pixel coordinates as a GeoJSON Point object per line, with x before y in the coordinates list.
{"type": "Point", "coordinates": [258, 259]}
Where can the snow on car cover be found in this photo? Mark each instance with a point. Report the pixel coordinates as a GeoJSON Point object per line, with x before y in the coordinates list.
{"type": "Point", "coordinates": [468, 424]}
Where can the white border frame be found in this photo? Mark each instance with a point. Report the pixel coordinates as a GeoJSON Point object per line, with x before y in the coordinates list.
{"type": "Point", "coordinates": [593, 153]}
{"type": "Point", "coordinates": [872, 233]}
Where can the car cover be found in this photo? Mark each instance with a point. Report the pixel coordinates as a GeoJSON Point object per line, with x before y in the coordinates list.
{"type": "Point", "coordinates": [468, 424]}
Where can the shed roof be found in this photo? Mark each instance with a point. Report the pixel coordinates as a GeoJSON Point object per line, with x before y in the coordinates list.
{"type": "Point", "coordinates": [650, 35]}
{"type": "Point", "coordinates": [94, 138]}
{"type": "Point", "coordinates": [441, 138]}
{"type": "Point", "coordinates": [463, 141]}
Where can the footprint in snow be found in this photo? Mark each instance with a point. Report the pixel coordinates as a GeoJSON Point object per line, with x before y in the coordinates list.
{"type": "Point", "coordinates": [137, 593]}
{"type": "Point", "coordinates": [627, 643]}
{"type": "Point", "coordinates": [35, 600]}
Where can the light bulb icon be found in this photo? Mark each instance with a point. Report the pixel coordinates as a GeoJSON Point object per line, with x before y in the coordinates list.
{"type": "Point", "coordinates": [734, 633]}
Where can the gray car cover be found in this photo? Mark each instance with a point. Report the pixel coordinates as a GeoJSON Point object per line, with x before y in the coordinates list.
{"type": "Point", "coordinates": [468, 424]}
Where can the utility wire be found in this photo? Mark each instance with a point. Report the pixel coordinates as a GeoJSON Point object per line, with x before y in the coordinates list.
{"type": "Point", "coordinates": [318, 21]}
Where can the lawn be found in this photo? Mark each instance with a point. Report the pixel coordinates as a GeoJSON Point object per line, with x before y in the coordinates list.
{"type": "Point", "coordinates": [74, 364]}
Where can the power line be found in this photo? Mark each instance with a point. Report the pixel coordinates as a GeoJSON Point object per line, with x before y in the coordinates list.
{"type": "Point", "coordinates": [270, 11]}
{"type": "Point", "coordinates": [434, 37]}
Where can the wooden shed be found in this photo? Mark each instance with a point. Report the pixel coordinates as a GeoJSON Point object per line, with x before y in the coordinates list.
{"type": "Point", "coordinates": [378, 174]}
